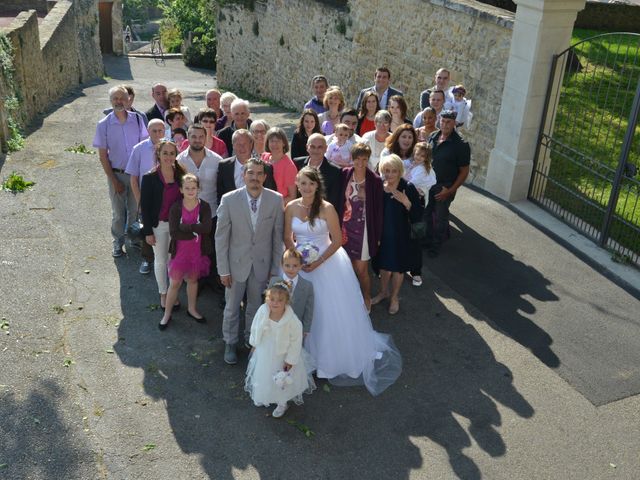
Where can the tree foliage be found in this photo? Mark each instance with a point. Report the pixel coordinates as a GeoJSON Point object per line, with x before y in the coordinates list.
{"type": "Point", "coordinates": [137, 11]}
{"type": "Point", "coordinates": [195, 18]}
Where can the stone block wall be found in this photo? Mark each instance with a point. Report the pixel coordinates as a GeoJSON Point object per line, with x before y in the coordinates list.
{"type": "Point", "coordinates": [40, 6]}
{"type": "Point", "coordinates": [274, 49]}
{"type": "Point", "coordinates": [56, 56]}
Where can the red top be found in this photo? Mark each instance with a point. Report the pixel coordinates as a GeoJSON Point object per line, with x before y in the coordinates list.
{"type": "Point", "coordinates": [217, 146]}
{"type": "Point", "coordinates": [284, 173]}
{"type": "Point", "coordinates": [366, 126]}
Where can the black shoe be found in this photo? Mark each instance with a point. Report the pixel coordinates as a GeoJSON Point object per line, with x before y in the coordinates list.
{"type": "Point", "coordinates": [163, 326]}
{"type": "Point", "coordinates": [176, 307]}
{"type": "Point", "coordinates": [199, 320]}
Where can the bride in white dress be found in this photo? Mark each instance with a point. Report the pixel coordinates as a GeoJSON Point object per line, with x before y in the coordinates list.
{"type": "Point", "coordinates": [342, 342]}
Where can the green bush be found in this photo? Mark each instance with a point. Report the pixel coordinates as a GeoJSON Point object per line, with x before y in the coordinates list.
{"type": "Point", "coordinates": [170, 37]}
{"type": "Point", "coordinates": [201, 53]}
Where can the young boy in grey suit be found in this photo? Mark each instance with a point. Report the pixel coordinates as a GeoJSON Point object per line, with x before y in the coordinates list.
{"type": "Point", "coordinates": [300, 290]}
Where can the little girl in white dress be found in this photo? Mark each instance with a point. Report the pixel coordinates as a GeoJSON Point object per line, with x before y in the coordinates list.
{"type": "Point", "coordinates": [277, 370]}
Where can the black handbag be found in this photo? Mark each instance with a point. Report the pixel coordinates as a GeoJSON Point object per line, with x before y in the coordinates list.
{"type": "Point", "coordinates": [135, 231]}
{"type": "Point", "coordinates": [418, 230]}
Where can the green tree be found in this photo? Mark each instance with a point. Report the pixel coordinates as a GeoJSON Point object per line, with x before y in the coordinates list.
{"type": "Point", "coordinates": [195, 18]}
{"type": "Point", "coordinates": [137, 11]}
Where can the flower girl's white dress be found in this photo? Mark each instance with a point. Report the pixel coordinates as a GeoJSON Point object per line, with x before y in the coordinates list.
{"type": "Point", "coordinates": [276, 343]}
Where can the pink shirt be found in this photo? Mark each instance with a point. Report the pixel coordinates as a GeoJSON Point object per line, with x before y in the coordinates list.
{"type": "Point", "coordinates": [284, 173]}
{"type": "Point", "coordinates": [170, 195]}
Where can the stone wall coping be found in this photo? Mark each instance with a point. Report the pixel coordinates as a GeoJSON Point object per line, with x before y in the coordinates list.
{"type": "Point", "coordinates": [53, 19]}
{"type": "Point", "coordinates": [20, 21]}
{"type": "Point", "coordinates": [485, 12]}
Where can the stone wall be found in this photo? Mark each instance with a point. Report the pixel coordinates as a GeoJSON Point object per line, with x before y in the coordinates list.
{"type": "Point", "coordinates": [274, 48]}
{"type": "Point", "coordinates": [54, 57]}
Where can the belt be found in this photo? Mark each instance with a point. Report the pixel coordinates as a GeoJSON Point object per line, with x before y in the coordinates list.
{"type": "Point", "coordinates": [117, 170]}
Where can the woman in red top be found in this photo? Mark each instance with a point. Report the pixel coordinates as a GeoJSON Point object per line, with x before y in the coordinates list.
{"type": "Point", "coordinates": [367, 115]}
{"type": "Point", "coordinates": [284, 170]}
{"type": "Point", "coordinates": [207, 117]}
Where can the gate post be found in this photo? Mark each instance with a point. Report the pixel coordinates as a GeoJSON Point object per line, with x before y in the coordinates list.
{"type": "Point", "coordinates": [541, 29]}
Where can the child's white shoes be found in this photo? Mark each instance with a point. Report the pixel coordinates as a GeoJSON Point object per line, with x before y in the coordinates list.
{"type": "Point", "coordinates": [280, 410]}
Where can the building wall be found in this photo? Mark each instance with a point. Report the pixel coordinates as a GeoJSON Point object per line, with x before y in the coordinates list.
{"type": "Point", "coordinates": [273, 49]}
{"type": "Point", "coordinates": [56, 56]}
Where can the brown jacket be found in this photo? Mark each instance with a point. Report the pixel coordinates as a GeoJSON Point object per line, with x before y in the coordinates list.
{"type": "Point", "coordinates": [183, 231]}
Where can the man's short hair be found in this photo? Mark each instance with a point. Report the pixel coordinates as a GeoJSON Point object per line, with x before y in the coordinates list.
{"type": "Point", "coordinates": [196, 126]}
{"type": "Point", "coordinates": [255, 161]}
{"type": "Point", "coordinates": [313, 136]}
{"type": "Point", "coordinates": [318, 79]}
{"type": "Point", "coordinates": [438, 91]}
{"type": "Point", "coordinates": [348, 113]}
{"type": "Point", "coordinates": [384, 69]}
{"type": "Point", "coordinates": [239, 102]}
{"type": "Point", "coordinates": [382, 116]}
{"type": "Point", "coordinates": [241, 132]}
{"type": "Point", "coordinates": [129, 89]}
{"type": "Point", "coordinates": [117, 89]}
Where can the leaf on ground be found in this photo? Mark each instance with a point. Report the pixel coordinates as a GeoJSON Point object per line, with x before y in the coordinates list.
{"type": "Point", "coordinates": [149, 446]}
{"type": "Point", "coordinates": [4, 325]}
{"type": "Point", "coordinates": [326, 388]}
{"type": "Point", "coordinates": [36, 420]}
{"type": "Point", "coordinates": [68, 362]}
{"type": "Point", "coordinates": [110, 350]}
{"type": "Point", "coordinates": [3, 466]}
{"type": "Point", "coordinates": [58, 309]}
{"type": "Point", "coordinates": [302, 427]}
{"type": "Point", "coordinates": [153, 307]}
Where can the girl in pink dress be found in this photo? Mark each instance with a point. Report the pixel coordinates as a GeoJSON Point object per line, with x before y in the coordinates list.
{"type": "Point", "coordinates": [190, 246]}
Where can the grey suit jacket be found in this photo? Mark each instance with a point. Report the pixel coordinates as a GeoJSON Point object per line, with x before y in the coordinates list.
{"type": "Point", "coordinates": [301, 301]}
{"type": "Point", "coordinates": [238, 246]}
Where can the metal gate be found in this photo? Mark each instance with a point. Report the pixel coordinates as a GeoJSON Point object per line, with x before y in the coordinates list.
{"type": "Point", "coordinates": [587, 161]}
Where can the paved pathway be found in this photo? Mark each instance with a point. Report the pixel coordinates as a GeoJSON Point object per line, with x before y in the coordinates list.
{"type": "Point", "coordinates": [89, 388]}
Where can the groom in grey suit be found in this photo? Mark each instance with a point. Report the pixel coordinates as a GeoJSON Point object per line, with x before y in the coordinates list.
{"type": "Point", "coordinates": [249, 244]}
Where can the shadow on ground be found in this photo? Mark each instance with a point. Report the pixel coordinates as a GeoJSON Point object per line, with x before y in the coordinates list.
{"type": "Point", "coordinates": [497, 284]}
{"type": "Point", "coordinates": [36, 440]}
{"type": "Point", "coordinates": [449, 372]}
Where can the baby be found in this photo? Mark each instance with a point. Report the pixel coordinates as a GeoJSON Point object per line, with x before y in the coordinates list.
{"type": "Point", "coordinates": [461, 105]}
{"type": "Point", "coordinates": [338, 151]}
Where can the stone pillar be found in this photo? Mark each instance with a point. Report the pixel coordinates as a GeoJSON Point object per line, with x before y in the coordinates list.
{"type": "Point", "coordinates": [542, 28]}
{"type": "Point", "coordinates": [117, 28]}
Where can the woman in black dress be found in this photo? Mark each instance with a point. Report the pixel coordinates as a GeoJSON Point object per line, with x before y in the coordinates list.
{"type": "Point", "coordinates": [401, 208]}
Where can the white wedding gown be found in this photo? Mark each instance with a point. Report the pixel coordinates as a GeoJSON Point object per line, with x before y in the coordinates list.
{"type": "Point", "coordinates": [342, 342]}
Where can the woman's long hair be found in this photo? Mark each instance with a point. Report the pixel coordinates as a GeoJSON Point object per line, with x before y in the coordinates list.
{"type": "Point", "coordinates": [394, 146]}
{"type": "Point", "coordinates": [314, 175]}
{"type": "Point", "coordinates": [300, 127]}
{"type": "Point", "coordinates": [363, 106]}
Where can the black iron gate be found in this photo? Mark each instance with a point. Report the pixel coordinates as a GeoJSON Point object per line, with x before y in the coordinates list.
{"type": "Point", "coordinates": [587, 162]}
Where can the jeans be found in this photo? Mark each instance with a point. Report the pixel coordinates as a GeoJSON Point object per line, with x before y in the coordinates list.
{"type": "Point", "coordinates": [437, 218]}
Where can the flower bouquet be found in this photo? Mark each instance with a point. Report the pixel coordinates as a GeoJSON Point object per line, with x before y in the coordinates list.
{"type": "Point", "coordinates": [310, 253]}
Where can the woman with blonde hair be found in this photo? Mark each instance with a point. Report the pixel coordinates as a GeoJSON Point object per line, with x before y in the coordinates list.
{"type": "Point", "coordinates": [334, 103]}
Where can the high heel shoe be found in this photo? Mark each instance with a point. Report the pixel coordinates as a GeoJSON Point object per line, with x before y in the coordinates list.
{"type": "Point", "coordinates": [163, 326]}
{"type": "Point", "coordinates": [199, 320]}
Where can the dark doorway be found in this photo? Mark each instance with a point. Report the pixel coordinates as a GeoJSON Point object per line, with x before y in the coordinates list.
{"type": "Point", "coordinates": [106, 32]}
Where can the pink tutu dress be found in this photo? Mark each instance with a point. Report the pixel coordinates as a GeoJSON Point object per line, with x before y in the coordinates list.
{"type": "Point", "coordinates": [189, 261]}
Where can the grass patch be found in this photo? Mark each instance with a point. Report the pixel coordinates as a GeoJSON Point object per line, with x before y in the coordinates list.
{"type": "Point", "coordinates": [590, 124]}
{"type": "Point", "coordinates": [16, 183]}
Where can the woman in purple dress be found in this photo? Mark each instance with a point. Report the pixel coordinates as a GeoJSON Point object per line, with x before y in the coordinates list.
{"type": "Point", "coordinates": [361, 215]}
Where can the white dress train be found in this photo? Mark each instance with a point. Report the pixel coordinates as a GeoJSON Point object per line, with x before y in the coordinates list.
{"type": "Point", "coordinates": [344, 346]}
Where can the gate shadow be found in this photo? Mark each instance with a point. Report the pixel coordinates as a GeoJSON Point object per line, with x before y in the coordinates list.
{"type": "Point", "coordinates": [449, 372]}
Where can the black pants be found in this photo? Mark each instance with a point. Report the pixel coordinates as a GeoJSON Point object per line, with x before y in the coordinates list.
{"type": "Point", "coordinates": [437, 218]}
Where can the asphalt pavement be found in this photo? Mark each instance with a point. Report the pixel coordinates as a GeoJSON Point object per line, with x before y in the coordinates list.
{"type": "Point", "coordinates": [520, 359]}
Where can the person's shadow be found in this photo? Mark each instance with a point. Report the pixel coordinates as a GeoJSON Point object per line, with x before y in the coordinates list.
{"type": "Point", "coordinates": [449, 372]}
{"type": "Point", "coordinates": [495, 283]}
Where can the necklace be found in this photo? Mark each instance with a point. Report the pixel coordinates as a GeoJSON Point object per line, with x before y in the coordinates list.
{"type": "Point", "coordinates": [306, 207]}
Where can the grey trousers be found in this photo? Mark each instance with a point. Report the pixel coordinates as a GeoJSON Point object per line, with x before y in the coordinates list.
{"type": "Point", "coordinates": [233, 297]}
{"type": "Point", "coordinates": [124, 208]}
